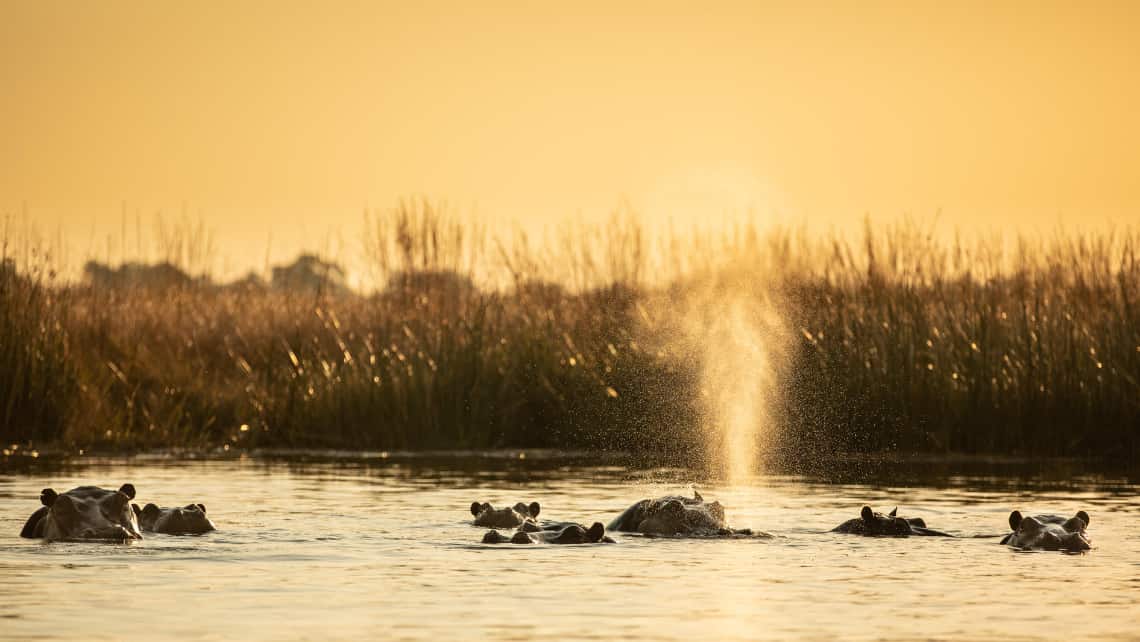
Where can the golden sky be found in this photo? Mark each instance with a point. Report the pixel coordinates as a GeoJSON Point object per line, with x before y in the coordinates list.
{"type": "Point", "coordinates": [289, 118]}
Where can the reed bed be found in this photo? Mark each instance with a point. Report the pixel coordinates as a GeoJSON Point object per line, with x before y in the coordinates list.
{"type": "Point", "coordinates": [899, 342]}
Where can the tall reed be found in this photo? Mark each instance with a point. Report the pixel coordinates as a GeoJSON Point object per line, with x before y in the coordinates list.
{"type": "Point", "coordinates": [896, 342]}
{"type": "Point", "coordinates": [39, 383]}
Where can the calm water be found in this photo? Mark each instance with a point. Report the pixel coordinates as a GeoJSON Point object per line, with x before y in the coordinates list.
{"type": "Point", "coordinates": [383, 549]}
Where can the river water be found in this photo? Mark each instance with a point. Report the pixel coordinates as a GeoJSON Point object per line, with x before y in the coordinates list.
{"type": "Point", "coordinates": [382, 548]}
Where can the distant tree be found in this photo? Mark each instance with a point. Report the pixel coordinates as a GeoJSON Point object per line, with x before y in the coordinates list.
{"type": "Point", "coordinates": [251, 282]}
{"type": "Point", "coordinates": [546, 293]}
{"type": "Point", "coordinates": [308, 273]}
{"type": "Point", "coordinates": [138, 275]}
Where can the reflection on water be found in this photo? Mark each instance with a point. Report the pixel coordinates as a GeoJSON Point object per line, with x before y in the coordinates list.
{"type": "Point", "coordinates": [319, 547]}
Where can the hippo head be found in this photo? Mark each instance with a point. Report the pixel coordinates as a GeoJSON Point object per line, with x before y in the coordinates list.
{"type": "Point", "coordinates": [494, 537]}
{"type": "Point", "coordinates": [569, 534]}
{"type": "Point", "coordinates": [190, 519]}
{"type": "Point", "coordinates": [672, 515]}
{"type": "Point", "coordinates": [579, 534]}
{"type": "Point", "coordinates": [664, 518]}
{"type": "Point", "coordinates": [90, 513]}
{"type": "Point", "coordinates": [1049, 532]}
{"type": "Point", "coordinates": [678, 516]}
{"type": "Point", "coordinates": [890, 524]}
{"type": "Point", "coordinates": [509, 517]}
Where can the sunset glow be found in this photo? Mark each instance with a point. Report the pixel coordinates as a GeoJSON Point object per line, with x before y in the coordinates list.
{"type": "Point", "coordinates": [278, 123]}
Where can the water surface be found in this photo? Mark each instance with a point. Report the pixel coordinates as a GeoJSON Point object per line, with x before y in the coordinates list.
{"type": "Point", "coordinates": [383, 548]}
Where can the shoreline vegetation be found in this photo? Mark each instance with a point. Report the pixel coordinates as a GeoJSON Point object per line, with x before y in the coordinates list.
{"type": "Point", "coordinates": [611, 341]}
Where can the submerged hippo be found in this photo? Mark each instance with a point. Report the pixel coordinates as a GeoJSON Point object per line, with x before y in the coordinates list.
{"type": "Point", "coordinates": [1048, 532]}
{"type": "Point", "coordinates": [188, 520]}
{"type": "Point", "coordinates": [87, 513]}
{"type": "Point", "coordinates": [675, 515]}
{"type": "Point", "coordinates": [567, 534]}
{"type": "Point", "coordinates": [877, 524]}
{"type": "Point", "coordinates": [509, 517]}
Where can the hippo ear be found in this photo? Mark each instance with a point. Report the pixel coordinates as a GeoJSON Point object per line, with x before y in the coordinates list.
{"type": "Point", "coordinates": [1029, 525]}
{"type": "Point", "coordinates": [1014, 520]}
{"type": "Point", "coordinates": [119, 500]}
{"type": "Point", "coordinates": [867, 514]}
{"type": "Point", "coordinates": [128, 490]}
{"type": "Point", "coordinates": [697, 496]}
{"type": "Point", "coordinates": [1084, 517]}
{"type": "Point", "coordinates": [136, 509]}
{"type": "Point", "coordinates": [895, 512]}
{"type": "Point", "coordinates": [596, 532]}
{"type": "Point", "coordinates": [476, 508]}
{"type": "Point", "coordinates": [201, 507]}
{"type": "Point", "coordinates": [48, 496]}
{"type": "Point", "coordinates": [533, 509]}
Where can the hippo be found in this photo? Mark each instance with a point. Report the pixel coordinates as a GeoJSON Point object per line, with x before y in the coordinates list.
{"type": "Point", "coordinates": [511, 517]}
{"type": "Point", "coordinates": [188, 520]}
{"type": "Point", "coordinates": [675, 515]}
{"type": "Point", "coordinates": [1048, 532]}
{"type": "Point", "coordinates": [87, 513]}
{"type": "Point", "coordinates": [567, 534]}
{"type": "Point", "coordinates": [877, 524]}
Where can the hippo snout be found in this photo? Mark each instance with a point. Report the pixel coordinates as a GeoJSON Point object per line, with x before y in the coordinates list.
{"type": "Point", "coordinates": [110, 533]}
{"type": "Point", "coordinates": [1077, 543]}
